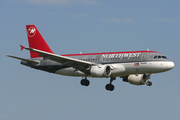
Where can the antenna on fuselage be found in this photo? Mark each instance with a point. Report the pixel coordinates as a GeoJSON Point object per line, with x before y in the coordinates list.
{"type": "Point", "coordinates": [147, 49]}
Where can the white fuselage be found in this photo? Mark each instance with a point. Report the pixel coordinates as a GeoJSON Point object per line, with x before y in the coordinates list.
{"type": "Point", "coordinates": [121, 64]}
{"type": "Point", "coordinates": [123, 69]}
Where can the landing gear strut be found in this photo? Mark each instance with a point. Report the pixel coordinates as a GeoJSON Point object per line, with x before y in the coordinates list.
{"type": "Point", "coordinates": [110, 86]}
{"type": "Point", "coordinates": [146, 79]}
{"type": "Point", "coordinates": [85, 82]}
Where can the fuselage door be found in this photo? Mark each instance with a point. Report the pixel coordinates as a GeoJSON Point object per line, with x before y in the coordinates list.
{"type": "Point", "coordinates": [102, 59]}
{"type": "Point", "coordinates": [144, 58]}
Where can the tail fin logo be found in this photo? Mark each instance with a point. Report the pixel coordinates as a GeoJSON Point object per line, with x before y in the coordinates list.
{"type": "Point", "coordinates": [31, 31]}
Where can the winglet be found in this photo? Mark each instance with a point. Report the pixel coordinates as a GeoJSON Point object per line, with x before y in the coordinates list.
{"type": "Point", "coordinates": [22, 47]}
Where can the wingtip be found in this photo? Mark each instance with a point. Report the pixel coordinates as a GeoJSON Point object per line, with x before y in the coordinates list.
{"type": "Point", "coordinates": [7, 55]}
{"type": "Point", "coordinates": [22, 47]}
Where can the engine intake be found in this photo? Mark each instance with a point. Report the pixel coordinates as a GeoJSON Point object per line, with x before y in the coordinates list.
{"type": "Point", "coordinates": [100, 71]}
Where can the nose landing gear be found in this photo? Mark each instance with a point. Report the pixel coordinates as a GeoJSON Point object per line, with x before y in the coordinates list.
{"type": "Point", "coordinates": [149, 83]}
{"type": "Point", "coordinates": [146, 78]}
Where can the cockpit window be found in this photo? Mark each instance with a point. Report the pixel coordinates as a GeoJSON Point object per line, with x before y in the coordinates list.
{"type": "Point", "coordinates": [159, 56]}
{"type": "Point", "coordinates": [164, 57]}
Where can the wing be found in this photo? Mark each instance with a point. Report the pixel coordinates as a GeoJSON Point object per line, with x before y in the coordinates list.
{"type": "Point", "coordinates": [75, 63]}
{"type": "Point", "coordinates": [31, 61]}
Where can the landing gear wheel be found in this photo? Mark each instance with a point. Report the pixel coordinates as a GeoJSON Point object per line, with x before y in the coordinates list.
{"type": "Point", "coordinates": [85, 82]}
{"type": "Point", "coordinates": [110, 87]}
{"type": "Point", "coordinates": [149, 83]}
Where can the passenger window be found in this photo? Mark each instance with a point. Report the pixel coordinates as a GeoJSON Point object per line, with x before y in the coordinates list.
{"type": "Point", "coordinates": [155, 57]}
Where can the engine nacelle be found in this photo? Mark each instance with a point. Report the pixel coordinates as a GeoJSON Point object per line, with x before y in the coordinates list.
{"type": "Point", "coordinates": [135, 79]}
{"type": "Point", "coordinates": [100, 71]}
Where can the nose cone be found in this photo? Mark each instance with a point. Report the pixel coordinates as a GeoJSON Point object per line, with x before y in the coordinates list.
{"type": "Point", "coordinates": [170, 65]}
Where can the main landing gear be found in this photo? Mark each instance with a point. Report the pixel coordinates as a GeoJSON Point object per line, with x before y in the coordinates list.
{"type": "Point", "coordinates": [85, 82]}
{"type": "Point", "coordinates": [110, 86]}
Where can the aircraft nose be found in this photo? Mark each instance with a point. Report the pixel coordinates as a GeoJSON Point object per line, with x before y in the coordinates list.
{"type": "Point", "coordinates": [170, 65]}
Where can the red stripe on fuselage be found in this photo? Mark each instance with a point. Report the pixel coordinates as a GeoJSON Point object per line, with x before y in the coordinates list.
{"type": "Point", "coordinates": [111, 53]}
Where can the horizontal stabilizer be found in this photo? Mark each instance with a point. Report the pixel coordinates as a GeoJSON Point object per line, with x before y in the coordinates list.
{"type": "Point", "coordinates": [32, 61]}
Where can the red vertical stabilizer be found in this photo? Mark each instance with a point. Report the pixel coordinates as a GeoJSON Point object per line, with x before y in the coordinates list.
{"type": "Point", "coordinates": [36, 41]}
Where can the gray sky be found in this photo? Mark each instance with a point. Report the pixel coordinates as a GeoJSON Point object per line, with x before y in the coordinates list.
{"type": "Point", "coordinates": [71, 26]}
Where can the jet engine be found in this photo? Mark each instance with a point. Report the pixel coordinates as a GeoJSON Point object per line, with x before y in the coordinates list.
{"type": "Point", "coordinates": [100, 71]}
{"type": "Point", "coordinates": [138, 79]}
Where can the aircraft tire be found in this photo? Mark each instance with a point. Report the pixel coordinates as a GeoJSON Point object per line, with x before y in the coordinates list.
{"type": "Point", "coordinates": [85, 82]}
{"type": "Point", "coordinates": [109, 87]}
{"type": "Point", "coordinates": [149, 83]}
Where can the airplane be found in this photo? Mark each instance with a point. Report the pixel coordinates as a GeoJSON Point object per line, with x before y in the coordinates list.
{"type": "Point", "coordinates": [134, 67]}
